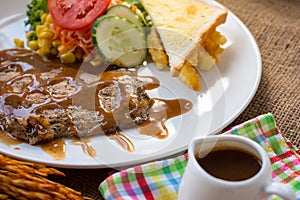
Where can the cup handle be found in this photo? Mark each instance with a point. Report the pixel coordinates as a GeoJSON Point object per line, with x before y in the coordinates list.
{"type": "Point", "coordinates": [280, 190]}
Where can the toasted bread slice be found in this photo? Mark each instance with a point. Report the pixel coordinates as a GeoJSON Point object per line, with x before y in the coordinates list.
{"type": "Point", "coordinates": [183, 26]}
{"type": "Point", "coordinates": [188, 75]}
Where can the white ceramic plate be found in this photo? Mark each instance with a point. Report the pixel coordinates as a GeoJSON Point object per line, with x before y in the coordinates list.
{"type": "Point", "coordinates": [227, 90]}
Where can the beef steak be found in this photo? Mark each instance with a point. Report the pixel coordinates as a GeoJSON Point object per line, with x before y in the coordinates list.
{"type": "Point", "coordinates": [41, 100]}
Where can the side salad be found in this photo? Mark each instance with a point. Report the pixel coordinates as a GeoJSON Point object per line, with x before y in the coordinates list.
{"type": "Point", "coordinates": [71, 30]}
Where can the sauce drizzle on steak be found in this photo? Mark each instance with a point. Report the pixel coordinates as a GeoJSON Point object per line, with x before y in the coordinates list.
{"type": "Point", "coordinates": [42, 100]}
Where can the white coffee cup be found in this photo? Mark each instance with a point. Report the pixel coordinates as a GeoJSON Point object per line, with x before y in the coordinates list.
{"type": "Point", "coordinates": [198, 184]}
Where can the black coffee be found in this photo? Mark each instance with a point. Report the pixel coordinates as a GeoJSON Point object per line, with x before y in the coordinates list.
{"type": "Point", "coordinates": [230, 164]}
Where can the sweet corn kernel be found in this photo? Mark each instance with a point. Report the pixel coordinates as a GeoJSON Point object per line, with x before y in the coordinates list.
{"type": "Point", "coordinates": [29, 34]}
{"type": "Point", "coordinates": [43, 51]}
{"type": "Point", "coordinates": [48, 19]}
{"type": "Point", "coordinates": [56, 43]}
{"type": "Point", "coordinates": [18, 42]}
{"type": "Point", "coordinates": [40, 28]}
{"type": "Point", "coordinates": [46, 34]}
{"type": "Point", "coordinates": [44, 17]}
{"type": "Point", "coordinates": [67, 57]}
{"type": "Point", "coordinates": [33, 45]}
{"type": "Point", "coordinates": [61, 48]}
{"type": "Point", "coordinates": [44, 43]}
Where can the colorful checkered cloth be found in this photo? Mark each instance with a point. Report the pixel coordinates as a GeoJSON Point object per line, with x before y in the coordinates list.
{"type": "Point", "coordinates": [161, 179]}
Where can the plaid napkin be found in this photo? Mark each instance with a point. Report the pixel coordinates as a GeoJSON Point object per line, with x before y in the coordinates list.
{"type": "Point", "coordinates": [161, 179]}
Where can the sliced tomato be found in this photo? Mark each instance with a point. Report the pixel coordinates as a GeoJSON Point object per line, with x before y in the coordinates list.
{"type": "Point", "coordinates": [76, 14]}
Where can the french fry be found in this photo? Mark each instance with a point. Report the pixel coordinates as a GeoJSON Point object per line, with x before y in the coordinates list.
{"type": "Point", "coordinates": [206, 57]}
{"type": "Point", "coordinates": [190, 76]}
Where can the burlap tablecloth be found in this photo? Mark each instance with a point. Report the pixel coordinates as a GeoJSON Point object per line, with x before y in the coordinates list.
{"type": "Point", "coordinates": [275, 25]}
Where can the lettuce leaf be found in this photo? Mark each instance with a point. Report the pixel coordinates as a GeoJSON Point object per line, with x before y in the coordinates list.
{"type": "Point", "coordinates": [36, 8]}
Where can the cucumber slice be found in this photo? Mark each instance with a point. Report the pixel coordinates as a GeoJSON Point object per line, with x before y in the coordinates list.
{"type": "Point", "coordinates": [124, 11]}
{"type": "Point", "coordinates": [119, 41]}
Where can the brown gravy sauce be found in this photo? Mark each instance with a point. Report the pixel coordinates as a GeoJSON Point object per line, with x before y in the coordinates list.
{"type": "Point", "coordinates": [27, 64]}
{"type": "Point", "coordinates": [8, 139]}
{"type": "Point", "coordinates": [161, 111]}
{"type": "Point", "coordinates": [55, 148]}
{"type": "Point", "coordinates": [230, 164]}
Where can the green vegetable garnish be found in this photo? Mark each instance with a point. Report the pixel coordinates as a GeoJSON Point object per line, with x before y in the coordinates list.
{"type": "Point", "coordinates": [36, 8]}
{"type": "Point", "coordinates": [147, 21]}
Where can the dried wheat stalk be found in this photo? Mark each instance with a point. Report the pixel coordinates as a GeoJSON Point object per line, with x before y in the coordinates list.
{"type": "Point", "coordinates": [25, 180]}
